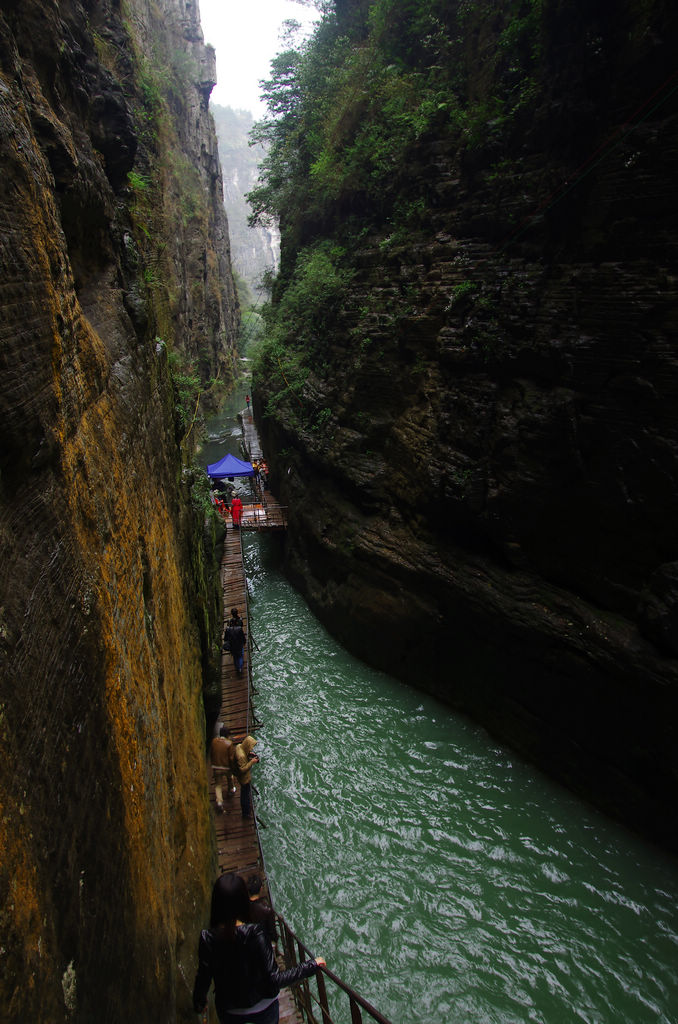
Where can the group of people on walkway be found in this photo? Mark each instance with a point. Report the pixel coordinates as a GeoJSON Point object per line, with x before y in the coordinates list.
{"type": "Point", "coordinates": [235, 509]}
{"type": "Point", "coordinates": [236, 953]}
{"type": "Point", "coordinates": [232, 762]}
{"type": "Point", "coordinates": [260, 469]}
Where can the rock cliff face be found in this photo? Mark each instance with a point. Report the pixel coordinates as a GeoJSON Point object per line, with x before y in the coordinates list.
{"type": "Point", "coordinates": [113, 247]}
{"type": "Point", "coordinates": [482, 464]}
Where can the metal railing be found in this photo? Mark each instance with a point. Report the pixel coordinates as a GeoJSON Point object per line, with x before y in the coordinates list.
{"type": "Point", "coordinates": [253, 722]}
{"type": "Point", "coordinates": [259, 515]}
{"type": "Point", "coordinates": [315, 1009]}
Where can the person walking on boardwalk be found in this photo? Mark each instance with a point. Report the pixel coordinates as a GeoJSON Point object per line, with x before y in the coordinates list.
{"type": "Point", "coordinates": [222, 509]}
{"type": "Point", "coordinates": [247, 399]}
{"type": "Point", "coordinates": [243, 759]}
{"type": "Point", "coordinates": [261, 911]}
{"type": "Point", "coordinates": [221, 758]}
{"type": "Point", "coordinates": [239, 959]}
{"type": "Point", "coordinates": [234, 641]}
{"type": "Point", "coordinates": [236, 511]}
{"type": "Point", "coordinates": [235, 619]}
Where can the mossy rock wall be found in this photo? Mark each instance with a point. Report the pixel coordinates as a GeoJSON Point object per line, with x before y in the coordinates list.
{"type": "Point", "coordinates": [476, 433]}
{"type": "Point", "coordinates": [109, 600]}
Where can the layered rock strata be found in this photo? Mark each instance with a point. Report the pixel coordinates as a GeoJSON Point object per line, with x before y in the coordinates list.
{"type": "Point", "coordinates": [482, 466]}
{"type": "Point", "coordinates": [113, 247]}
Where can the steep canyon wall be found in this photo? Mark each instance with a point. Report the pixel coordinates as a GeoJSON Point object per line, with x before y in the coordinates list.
{"type": "Point", "coordinates": [479, 443]}
{"type": "Point", "coordinates": [116, 291]}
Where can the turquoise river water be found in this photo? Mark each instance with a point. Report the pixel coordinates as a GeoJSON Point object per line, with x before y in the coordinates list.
{"type": "Point", "coordinates": [440, 876]}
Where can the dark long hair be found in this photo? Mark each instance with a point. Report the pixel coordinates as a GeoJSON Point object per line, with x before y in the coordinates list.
{"type": "Point", "coordinates": [230, 903]}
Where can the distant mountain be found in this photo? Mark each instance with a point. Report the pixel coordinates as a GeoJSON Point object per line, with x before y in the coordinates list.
{"type": "Point", "coordinates": [253, 250]}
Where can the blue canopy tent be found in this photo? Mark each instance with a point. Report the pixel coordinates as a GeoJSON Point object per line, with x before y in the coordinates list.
{"type": "Point", "coordinates": [228, 467]}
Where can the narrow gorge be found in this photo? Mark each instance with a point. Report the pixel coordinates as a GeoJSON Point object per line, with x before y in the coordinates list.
{"type": "Point", "coordinates": [466, 394]}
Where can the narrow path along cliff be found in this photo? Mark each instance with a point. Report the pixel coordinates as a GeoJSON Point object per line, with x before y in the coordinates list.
{"type": "Point", "coordinates": [397, 831]}
{"type": "Point", "coordinates": [238, 839]}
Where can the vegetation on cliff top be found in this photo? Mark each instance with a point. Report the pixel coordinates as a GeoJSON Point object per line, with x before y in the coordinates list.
{"type": "Point", "coordinates": [350, 113]}
{"type": "Point", "coordinates": [349, 108]}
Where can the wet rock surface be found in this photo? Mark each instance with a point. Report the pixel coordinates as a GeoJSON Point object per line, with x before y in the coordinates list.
{"type": "Point", "coordinates": [489, 509]}
{"type": "Point", "coordinates": [109, 603]}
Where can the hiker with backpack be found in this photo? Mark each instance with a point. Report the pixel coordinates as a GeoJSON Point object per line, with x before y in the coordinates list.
{"type": "Point", "coordinates": [221, 757]}
{"type": "Point", "coordinates": [234, 641]}
{"type": "Point", "coordinates": [243, 759]}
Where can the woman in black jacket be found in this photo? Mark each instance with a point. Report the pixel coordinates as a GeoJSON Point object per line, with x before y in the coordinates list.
{"type": "Point", "coordinates": [239, 959]}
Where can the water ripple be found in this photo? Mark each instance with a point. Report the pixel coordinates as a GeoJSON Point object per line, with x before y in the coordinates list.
{"type": "Point", "coordinates": [439, 876]}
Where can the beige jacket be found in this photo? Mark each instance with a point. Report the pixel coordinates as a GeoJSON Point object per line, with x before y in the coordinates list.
{"type": "Point", "coordinates": [242, 759]}
{"type": "Point", "coordinates": [221, 752]}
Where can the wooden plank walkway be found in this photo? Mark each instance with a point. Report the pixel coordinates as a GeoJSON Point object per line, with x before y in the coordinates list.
{"type": "Point", "coordinates": [238, 846]}
{"type": "Point", "coordinates": [239, 849]}
{"type": "Point", "coordinates": [237, 839]}
{"type": "Point", "coordinates": [265, 514]}
{"type": "Point", "coordinates": [250, 436]}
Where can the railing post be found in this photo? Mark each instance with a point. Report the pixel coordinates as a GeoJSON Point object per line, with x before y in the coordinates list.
{"type": "Point", "coordinates": [322, 998]}
{"type": "Point", "coordinates": [289, 948]}
{"type": "Point", "coordinates": [303, 991]}
{"type": "Point", "coordinates": [356, 1015]}
{"type": "Point", "coordinates": [357, 1004]}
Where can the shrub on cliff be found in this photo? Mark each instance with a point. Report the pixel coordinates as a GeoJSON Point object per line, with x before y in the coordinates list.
{"type": "Point", "coordinates": [296, 325]}
{"type": "Point", "coordinates": [351, 108]}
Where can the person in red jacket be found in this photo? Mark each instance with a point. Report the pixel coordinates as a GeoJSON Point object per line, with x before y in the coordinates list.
{"type": "Point", "coordinates": [236, 511]}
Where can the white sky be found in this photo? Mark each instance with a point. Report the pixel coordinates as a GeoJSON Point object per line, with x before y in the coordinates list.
{"type": "Point", "coordinates": [246, 36]}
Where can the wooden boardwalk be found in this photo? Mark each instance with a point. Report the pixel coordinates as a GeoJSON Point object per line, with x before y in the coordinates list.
{"type": "Point", "coordinates": [238, 847]}
{"type": "Point", "coordinates": [264, 514]}
{"type": "Point", "coordinates": [250, 436]}
{"type": "Point", "coordinates": [237, 839]}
